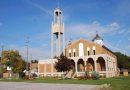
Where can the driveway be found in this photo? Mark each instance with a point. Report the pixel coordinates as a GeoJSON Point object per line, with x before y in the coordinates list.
{"type": "Point", "coordinates": [43, 86]}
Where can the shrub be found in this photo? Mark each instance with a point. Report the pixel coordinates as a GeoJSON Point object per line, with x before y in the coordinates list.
{"type": "Point", "coordinates": [31, 77]}
{"type": "Point", "coordinates": [26, 77]}
{"type": "Point", "coordinates": [21, 75]}
{"type": "Point", "coordinates": [87, 76]}
{"type": "Point", "coordinates": [34, 75]}
{"type": "Point", "coordinates": [95, 75]}
{"type": "Point", "coordinates": [82, 77]}
{"type": "Point", "coordinates": [86, 73]}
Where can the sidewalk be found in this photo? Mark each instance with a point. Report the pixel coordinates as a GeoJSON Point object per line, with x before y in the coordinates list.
{"type": "Point", "coordinates": [43, 86]}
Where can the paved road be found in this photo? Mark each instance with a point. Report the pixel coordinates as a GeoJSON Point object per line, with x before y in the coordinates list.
{"type": "Point", "coordinates": [43, 86]}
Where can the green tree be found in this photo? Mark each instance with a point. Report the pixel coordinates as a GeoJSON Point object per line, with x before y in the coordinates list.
{"type": "Point", "coordinates": [14, 60]}
{"type": "Point", "coordinates": [123, 60]}
{"type": "Point", "coordinates": [63, 64]}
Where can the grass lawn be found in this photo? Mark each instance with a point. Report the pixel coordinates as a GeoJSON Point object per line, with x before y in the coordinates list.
{"type": "Point", "coordinates": [117, 83]}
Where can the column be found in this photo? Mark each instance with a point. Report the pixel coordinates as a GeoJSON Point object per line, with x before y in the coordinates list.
{"type": "Point", "coordinates": [116, 65]}
{"type": "Point", "coordinates": [76, 67]}
{"type": "Point", "coordinates": [45, 69]}
{"type": "Point", "coordinates": [111, 67]}
{"type": "Point", "coordinates": [95, 65]}
{"type": "Point", "coordinates": [38, 70]}
{"type": "Point", "coordinates": [59, 42]}
{"type": "Point", "coordinates": [52, 68]}
{"type": "Point", "coordinates": [56, 45]}
{"type": "Point", "coordinates": [115, 70]}
{"type": "Point", "coordinates": [85, 66]}
{"type": "Point", "coordinates": [52, 44]}
{"type": "Point", "coordinates": [63, 40]}
{"type": "Point", "coordinates": [106, 64]}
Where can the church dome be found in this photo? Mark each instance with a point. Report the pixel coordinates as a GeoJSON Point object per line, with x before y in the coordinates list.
{"type": "Point", "coordinates": [97, 37]}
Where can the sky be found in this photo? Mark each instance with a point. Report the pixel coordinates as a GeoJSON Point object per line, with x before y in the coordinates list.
{"type": "Point", "coordinates": [20, 19]}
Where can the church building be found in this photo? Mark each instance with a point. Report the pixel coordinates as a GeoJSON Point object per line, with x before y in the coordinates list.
{"type": "Point", "coordinates": [92, 56]}
{"type": "Point", "coordinates": [85, 55]}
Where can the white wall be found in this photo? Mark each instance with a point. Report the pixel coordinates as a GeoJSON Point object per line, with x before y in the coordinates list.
{"type": "Point", "coordinates": [81, 49]}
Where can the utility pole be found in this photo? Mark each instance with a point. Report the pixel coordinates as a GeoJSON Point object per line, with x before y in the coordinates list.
{"type": "Point", "coordinates": [27, 45]}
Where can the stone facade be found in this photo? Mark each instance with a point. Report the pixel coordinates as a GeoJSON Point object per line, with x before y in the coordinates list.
{"type": "Point", "coordinates": [90, 56]}
{"type": "Point", "coordinates": [87, 44]}
{"type": "Point", "coordinates": [86, 56]}
{"type": "Point", "coordinates": [46, 68]}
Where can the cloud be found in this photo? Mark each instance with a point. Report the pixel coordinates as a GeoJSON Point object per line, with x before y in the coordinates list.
{"type": "Point", "coordinates": [114, 26]}
{"type": "Point", "coordinates": [122, 31]}
{"type": "Point", "coordinates": [33, 52]}
{"type": "Point", "coordinates": [89, 30]}
{"type": "Point", "coordinates": [39, 7]}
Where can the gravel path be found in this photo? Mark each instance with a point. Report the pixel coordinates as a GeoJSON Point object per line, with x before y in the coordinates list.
{"type": "Point", "coordinates": [43, 86]}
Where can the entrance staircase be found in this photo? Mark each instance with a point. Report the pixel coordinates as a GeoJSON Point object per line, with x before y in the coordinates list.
{"type": "Point", "coordinates": [71, 74]}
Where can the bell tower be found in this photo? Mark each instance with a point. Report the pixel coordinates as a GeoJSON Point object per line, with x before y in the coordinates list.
{"type": "Point", "coordinates": [57, 34]}
{"type": "Point", "coordinates": [97, 39]}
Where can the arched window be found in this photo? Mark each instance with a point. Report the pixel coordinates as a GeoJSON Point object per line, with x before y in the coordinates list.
{"type": "Point", "coordinates": [69, 53]}
{"type": "Point", "coordinates": [74, 52]}
{"type": "Point", "coordinates": [94, 50]}
{"type": "Point", "coordinates": [88, 51]}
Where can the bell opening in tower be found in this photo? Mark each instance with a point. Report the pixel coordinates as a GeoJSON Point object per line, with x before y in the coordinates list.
{"type": "Point", "coordinates": [56, 13]}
